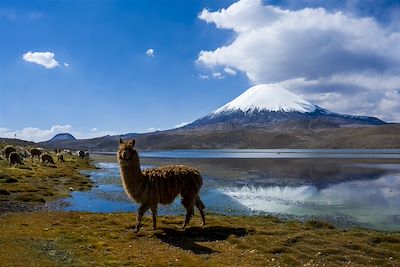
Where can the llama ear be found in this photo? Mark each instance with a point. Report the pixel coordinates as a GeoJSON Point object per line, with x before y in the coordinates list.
{"type": "Point", "coordinates": [120, 141]}
{"type": "Point", "coordinates": [133, 142]}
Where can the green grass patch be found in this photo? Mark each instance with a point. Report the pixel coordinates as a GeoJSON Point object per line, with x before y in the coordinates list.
{"type": "Point", "coordinates": [82, 239]}
{"type": "Point", "coordinates": [38, 183]}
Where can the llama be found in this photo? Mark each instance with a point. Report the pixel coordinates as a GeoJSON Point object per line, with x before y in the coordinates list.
{"type": "Point", "coordinates": [8, 150]}
{"type": "Point", "coordinates": [60, 157]}
{"type": "Point", "coordinates": [81, 154]}
{"type": "Point", "coordinates": [158, 185]}
{"type": "Point", "coordinates": [46, 158]}
{"type": "Point", "coordinates": [35, 152]}
{"type": "Point", "coordinates": [15, 158]}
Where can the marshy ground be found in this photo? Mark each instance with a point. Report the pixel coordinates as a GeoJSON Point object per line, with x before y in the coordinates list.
{"type": "Point", "coordinates": [56, 238]}
{"type": "Point", "coordinates": [34, 183]}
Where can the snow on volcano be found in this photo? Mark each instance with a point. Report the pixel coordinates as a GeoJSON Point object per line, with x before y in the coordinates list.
{"type": "Point", "coordinates": [267, 97]}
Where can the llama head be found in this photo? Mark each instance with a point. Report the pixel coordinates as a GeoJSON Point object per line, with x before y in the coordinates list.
{"type": "Point", "coordinates": [126, 150]}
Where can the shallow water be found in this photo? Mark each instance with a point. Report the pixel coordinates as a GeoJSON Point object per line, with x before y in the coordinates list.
{"type": "Point", "coordinates": [360, 192]}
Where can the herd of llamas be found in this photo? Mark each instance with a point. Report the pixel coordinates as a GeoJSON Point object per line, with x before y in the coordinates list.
{"type": "Point", "coordinates": [15, 155]}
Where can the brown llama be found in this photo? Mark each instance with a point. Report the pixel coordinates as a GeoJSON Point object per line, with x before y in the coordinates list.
{"type": "Point", "coordinates": [158, 185]}
{"type": "Point", "coordinates": [46, 158]}
{"type": "Point", "coordinates": [81, 154]}
{"type": "Point", "coordinates": [15, 158]}
{"type": "Point", "coordinates": [35, 152]}
{"type": "Point", "coordinates": [8, 150]}
{"type": "Point", "coordinates": [60, 157]}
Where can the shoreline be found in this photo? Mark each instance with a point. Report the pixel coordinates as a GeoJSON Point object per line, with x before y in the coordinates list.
{"type": "Point", "coordinates": [32, 186]}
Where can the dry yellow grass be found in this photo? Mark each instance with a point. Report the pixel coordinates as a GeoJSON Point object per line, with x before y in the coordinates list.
{"type": "Point", "coordinates": [89, 239]}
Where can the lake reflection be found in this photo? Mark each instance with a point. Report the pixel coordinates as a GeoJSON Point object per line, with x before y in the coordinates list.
{"type": "Point", "coordinates": [345, 192]}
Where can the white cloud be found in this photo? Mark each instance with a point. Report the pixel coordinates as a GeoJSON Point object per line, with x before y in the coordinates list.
{"type": "Point", "coordinates": [202, 76]}
{"type": "Point", "coordinates": [45, 59]}
{"type": "Point", "coordinates": [217, 75]}
{"type": "Point", "coordinates": [359, 94]}
{"type": "Point", "coordinates": [66, 64]}
{"type": "Point", "coordinates": [315, 52]}
{"type": "Point", "coordinates": [230, 71]}
{"type": "Point", "coordinates": [35, 134]}
{"type": "Point", "coordinates": [150, 52]}
{"type": "Point", "coordinates": [152, 129]}
{"type": "Point", "coordinates": [181, 124]}
{"type": "Point", "coordinates": [39, 135]}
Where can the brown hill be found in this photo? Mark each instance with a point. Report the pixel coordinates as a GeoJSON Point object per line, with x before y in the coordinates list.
{"type": "Point", "coordinates": [368, 137]}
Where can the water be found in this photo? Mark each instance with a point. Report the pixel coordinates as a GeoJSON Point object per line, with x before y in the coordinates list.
{"type": "Point", "coordinates": [273, 153]}
{"type": "Point", "coordinates": [343, 190]}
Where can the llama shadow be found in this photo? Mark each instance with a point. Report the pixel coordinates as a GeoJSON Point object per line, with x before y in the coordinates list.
{"type": "Point", "coordinates": [185, 239]}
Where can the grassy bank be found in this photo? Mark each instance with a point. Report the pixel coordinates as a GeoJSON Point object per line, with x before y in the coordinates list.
{"type": "Point", "coordinates": [34, 182]}
{"type": "Point", "coordinates": [88, 239]}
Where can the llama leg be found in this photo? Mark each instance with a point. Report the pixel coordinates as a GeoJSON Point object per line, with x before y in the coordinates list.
{"type": "Point", "coordinates": [143, 208]}
{"type": "Point", "coordinates": [154, 212]}
{"type": "Point", "coordinates": [189, 205]}
{"type": "Point", "coordinates": [200, 206]}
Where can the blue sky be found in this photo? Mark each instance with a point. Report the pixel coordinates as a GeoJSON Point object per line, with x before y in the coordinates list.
{"type": "Point", "coordinates": [104, 82]}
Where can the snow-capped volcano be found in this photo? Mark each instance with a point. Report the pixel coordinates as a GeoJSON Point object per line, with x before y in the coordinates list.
{"type": "Point", "coordinates": [273, 107]}
{"type": "Point", "coordinates": [269, 98]}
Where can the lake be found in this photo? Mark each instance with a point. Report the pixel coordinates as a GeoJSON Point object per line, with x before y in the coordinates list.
{"type": "Point", "coordinates": [345, 187]}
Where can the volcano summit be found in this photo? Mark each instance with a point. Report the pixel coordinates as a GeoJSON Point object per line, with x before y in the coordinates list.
{"type": "Point", "coordinates": [266, 106]}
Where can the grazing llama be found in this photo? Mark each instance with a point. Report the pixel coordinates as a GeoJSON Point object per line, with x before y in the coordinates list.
{"type": "Point", "coordinates": [8, 150]}
{"type": "Point", "coordinates": [60, 157]}
{"type": "Point", "coordinates": [46, 158]}
{"type": "Point", "coordinates": [81, 154]}
{"type": "Point", "coordinates": [35, 152]}
{"type": "Point", "coordinates": [15, 158]}
{"type": "Point", "coordinates": [158, 185]}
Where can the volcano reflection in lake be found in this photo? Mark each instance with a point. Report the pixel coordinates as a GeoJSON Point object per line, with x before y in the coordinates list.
{"type": "Point", "coordinates": [346, 192]}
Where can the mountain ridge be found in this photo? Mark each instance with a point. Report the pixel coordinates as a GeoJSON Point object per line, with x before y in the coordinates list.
{"type": "Point", "coordinates": [259, 118]}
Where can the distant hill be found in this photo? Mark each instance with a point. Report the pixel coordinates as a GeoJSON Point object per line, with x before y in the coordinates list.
{"type": "Point", "coordinates": [13, 141]}
{"type": "Point", "coordinates": [62, 137]}
{"type": "Point", "coordinates": [104, 143]}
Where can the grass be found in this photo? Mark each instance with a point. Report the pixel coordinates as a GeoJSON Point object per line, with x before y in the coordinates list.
{"type": "Point", "coordinates": [90, 239]}
{"type": "Point", "coordinates": [37, 183]}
